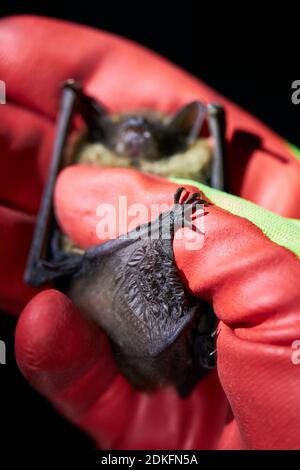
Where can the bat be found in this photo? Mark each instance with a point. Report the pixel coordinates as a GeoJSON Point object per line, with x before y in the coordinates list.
{"type": "Point", "coordinates": [160, 334]}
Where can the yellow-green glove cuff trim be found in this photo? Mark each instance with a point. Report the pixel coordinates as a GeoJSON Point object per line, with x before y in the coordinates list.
{"type": "Point", "coordinates": [281, 230]}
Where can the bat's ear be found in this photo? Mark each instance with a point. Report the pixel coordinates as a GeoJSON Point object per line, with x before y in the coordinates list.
{"type": "Point", "coordinates": [188, 121]}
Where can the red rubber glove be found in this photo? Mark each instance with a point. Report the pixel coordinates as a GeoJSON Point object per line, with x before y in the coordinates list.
{"type": "Point", "coordinates": [253, 284]}
{"type": "Point", "coordinates": [86, 391]}
{"type": "Point", "coordinates": [37, 55]}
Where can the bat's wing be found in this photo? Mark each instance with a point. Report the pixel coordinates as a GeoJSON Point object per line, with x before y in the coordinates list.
{"type": "Point", "coordinates": [43, 265]}
{"type": "Point", "coordinates": [48, 271]}
{"type": "Point", "coordinates": [165, 335]}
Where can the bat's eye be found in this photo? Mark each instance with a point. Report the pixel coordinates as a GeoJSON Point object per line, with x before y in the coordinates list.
{"type": "Point", "coordinates": [136, 140]}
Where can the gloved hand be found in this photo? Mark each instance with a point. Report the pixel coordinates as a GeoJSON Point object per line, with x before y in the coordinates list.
{"type": "Point", "coordinates": [37, 55]}
{"type": "Point", "coordinates": [66, 358]}
{"type": "Point", "coordinates": [248, 268]}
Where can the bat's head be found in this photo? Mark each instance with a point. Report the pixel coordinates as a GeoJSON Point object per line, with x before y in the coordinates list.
{"type": "Point", "coordinates": [144, 135]}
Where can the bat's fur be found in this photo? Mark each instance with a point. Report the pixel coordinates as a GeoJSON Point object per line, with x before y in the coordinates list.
{"type": "Point", "coordinates": [193, 163]}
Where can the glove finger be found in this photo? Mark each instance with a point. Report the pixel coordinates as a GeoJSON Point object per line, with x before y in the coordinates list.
{"type": "Point", "coordinates": [82, 191]}
{"type": "Point", "coordinates": [63, 355]}
{"type": "Point", "coordinates": [96, 58]}
{"type": "Point", "coordinates": [16, 234]}
{"type": "Point", "coordinates": [26, 142]}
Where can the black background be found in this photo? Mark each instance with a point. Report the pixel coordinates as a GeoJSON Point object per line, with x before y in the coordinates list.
{"type": "Point", "coordinates": [242, 55]}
